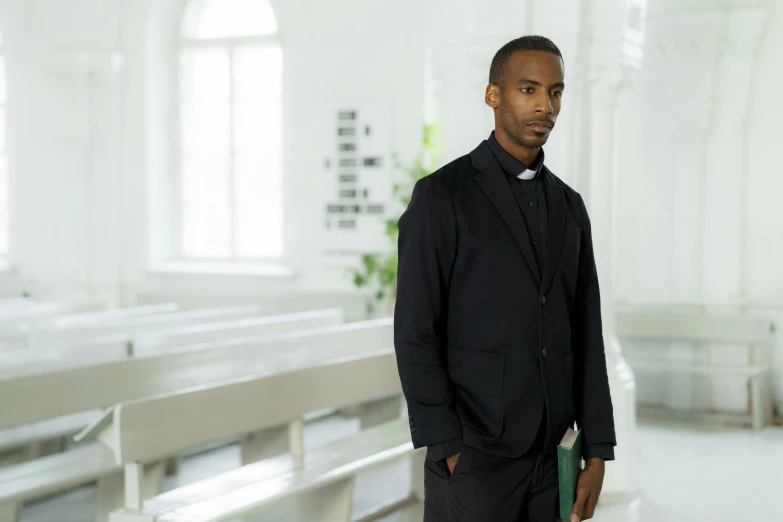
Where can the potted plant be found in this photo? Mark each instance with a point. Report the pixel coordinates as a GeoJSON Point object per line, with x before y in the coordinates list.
{"type": "Point", "coordinates": [377, 272]}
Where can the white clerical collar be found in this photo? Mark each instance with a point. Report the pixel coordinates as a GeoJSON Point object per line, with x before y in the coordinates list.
{"type": "Point", "coordinates": [527, 174]}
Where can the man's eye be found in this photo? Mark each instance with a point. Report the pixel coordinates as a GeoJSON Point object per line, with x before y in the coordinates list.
{"type": "Point", "coordinates": [527, 89]}
{"type": "Point", "coordinates": [557, 94]}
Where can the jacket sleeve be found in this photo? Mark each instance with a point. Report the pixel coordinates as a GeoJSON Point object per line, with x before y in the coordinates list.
{"type": "Point", "coordinates": [592, 400]}
{"type": "Point", "coordinates": [426, 250]}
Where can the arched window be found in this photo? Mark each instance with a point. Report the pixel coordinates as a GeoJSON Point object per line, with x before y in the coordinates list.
{"type": "Point", "coordinates": [230, 200]}
{"type": "Point", "coordinates": [3, 160]}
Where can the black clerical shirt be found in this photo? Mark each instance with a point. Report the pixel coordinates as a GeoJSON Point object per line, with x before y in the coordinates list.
{"type": "Point", "coordinates": [528, 189]}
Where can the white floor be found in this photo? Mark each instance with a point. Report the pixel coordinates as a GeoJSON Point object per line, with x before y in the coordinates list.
{"type": "Point", "coordinates": [685, 473]}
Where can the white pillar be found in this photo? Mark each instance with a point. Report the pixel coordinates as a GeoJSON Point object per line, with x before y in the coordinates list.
{"type": "Point", "coordinates": [599, 198]}
{"type": "Point", "coordinates": [616, 30]}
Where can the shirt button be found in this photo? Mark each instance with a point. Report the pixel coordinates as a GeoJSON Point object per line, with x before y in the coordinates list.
{"type": "Point", "coordinates": [543, 299]}
{"type": "Point", "coordinates": [544, 352]}
{"type": "Point", "coordinates": [534, 243]}
{"type": "Point", "coordinates": [531, 203]}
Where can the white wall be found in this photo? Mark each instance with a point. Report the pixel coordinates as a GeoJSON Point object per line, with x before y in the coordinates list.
{"type": "Point", "coordinates": [84, 151]}
{"type": "Point", "coordinates": [698, 221]}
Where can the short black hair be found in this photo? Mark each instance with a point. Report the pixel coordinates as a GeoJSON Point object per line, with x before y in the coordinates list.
{"type": "Point", "coordinates": [499, 67]}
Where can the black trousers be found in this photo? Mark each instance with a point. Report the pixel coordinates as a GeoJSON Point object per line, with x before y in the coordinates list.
{"type": "Point", "coordinates": [490, 488]}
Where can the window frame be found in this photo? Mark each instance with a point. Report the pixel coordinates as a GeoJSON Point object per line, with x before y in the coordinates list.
{"type": "Point", "coordinates": [230, 44]}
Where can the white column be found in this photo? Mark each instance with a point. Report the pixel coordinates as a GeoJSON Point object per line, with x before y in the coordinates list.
{"type": "Point", "coordinates": [599, 198]}
{"type": "Point", "coordinates": [615, 29]}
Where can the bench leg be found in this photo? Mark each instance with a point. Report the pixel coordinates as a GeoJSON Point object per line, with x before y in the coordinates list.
{"type": "Point", "coordinates": [172, 466]}
{"type": "Point", "coordinates": [759, 401]}
{"type": "Point", "coordinates": [263, 444]}
{"type": "Point", "coordinates": [43, 448]}
{"type": "Point", "coordinates": [332, 503]}
{"type": "Point", "coordinates": [378, 412]}
{"type": "Point", "coordinates": [111, 489]}
{"type": "Point", "coordinates": [111, 496]}
{"type": "Point", "coordinates": [9, 512]}
{"type": "Point", "coordinates": [417, 473]}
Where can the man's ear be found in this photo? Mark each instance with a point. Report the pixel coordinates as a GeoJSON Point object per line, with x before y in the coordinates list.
{"type": "Point", "coordinates": [492, 96]}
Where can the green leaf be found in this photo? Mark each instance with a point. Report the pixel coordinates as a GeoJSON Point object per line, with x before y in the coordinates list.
{"type": "Point", "coordinates": [370, 262]}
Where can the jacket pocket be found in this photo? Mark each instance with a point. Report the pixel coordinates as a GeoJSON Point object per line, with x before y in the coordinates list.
{"type": "Point", "coordinates": [477, 379]}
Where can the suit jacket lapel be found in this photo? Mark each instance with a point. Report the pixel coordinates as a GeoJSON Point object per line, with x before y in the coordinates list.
{"type": "Point", "coordinates": [557, 226]}
{"type": "Point", "coordinates": [493, 180]}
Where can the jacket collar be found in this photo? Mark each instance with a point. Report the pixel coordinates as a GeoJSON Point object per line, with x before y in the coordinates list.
{"type": "Point", "coordinates": [490, 176]}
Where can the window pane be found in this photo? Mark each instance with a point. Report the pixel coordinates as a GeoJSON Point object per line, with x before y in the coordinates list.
{"type": "Point", "coordinates": [206, 231]}
{"type": "Point", "coordinates": [257, 124]}
{"type": "Point", "coordinates": [205, 127]}
{"type": "Point", "coordinates": [259, 205]}
{"type": "Point", "coordinates": [228, 18]}
{"type": "Point", "coordinates": [205, 179]}
{"type": "Point", "coordinates": [205, 74]}
{"type": "Point", "coordinates": [258, 71]}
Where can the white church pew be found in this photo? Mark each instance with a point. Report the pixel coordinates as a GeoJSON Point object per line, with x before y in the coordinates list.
{"type": "Point", "coordinates": [16, 363]}
{"type": "Point", "coordinates": [152, 429]}
{"type": "Point", "coordinates": [111, 314]}
{"type": "Point", "coordinates": [15, 302]}
{"type": "Point", "coordinates": [41, 338]}
{"type": "Point", "coordinates": [49, 475]}
{"type": "Point", "coordinates": [322, 486]}
{"type": "Point", "coordinates": [147, 342]}
{"type": "Point", "coordinates": [120, 348]}
{"type": "Point", "coordinates": [42, 310]}
{"type": "Point", "coordinates": [147, 431]}
{"type": "Point", "coordinates": [755, 334]}
{"type": "Point", "coordinates": [56, 392]}
{"type": "Point", "coordinates": [34, 436]}
{"type": "Point", "coordinates": [14, 335]}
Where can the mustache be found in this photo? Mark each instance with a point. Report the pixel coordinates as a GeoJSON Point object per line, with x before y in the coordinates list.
{"type": "Point", "coordinates": [550, 122]}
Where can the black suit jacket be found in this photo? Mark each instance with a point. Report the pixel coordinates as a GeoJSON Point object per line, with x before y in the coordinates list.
{"type": "Point", "coordinates": [486, 343]}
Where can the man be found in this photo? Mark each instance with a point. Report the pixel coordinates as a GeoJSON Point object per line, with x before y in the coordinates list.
{"type": "Point", "coordinates": [497, 324]}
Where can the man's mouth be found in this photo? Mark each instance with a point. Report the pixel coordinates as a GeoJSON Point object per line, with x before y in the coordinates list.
{"type": "Point", "coordinates": [540, 126]}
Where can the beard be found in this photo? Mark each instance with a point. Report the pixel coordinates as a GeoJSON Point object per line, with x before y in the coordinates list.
{"type": "Point", "coordinates": [516, 131]}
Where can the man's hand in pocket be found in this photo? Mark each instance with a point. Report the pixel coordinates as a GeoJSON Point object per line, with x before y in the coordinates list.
{"type": "Point", "coordinates": [451, 462]}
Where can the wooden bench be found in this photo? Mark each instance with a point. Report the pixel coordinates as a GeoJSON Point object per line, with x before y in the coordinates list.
{"type": "Point", "coordinates": [754, 333]}
{"type": "Point", "coordinates": [14, 335]}
{"type": "Point", "coordinates": [74, 334]}
{"type": "Point", "coordinates": [60, 391]}
{"type": "Point", "coordinates": [322, 484]}
{"type": "Point", "coordinates": [147, 431]}
{"type": "Point", "coordinates": [43, 437]}
{"type": "Point", "coordinates": [118, 348]}
{"type": "Point", "coordinates": [147, 342]}
{"type": "Point", "coordinates": [143, 433]}
{"type": "Point", "coordinates": [40, 310]}
{"type": "Point", "coordinates": [102, 316]}
{"type": "Point", "coordinates": [50, 475]}
{"type": "Point", "coordinates": [78, 388]}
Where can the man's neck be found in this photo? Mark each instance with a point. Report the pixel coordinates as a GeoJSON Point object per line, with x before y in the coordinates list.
{"type": "Point", "coordinates": [524, 154]}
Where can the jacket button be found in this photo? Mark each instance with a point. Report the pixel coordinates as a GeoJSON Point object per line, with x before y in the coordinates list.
{"type": "Point", "coordinates": [543, 299]}
{"type": "Point", "coordinates": [544, 352]}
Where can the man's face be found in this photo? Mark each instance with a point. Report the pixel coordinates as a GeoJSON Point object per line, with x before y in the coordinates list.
{"type": "Point", "coordinates": [528, 104]}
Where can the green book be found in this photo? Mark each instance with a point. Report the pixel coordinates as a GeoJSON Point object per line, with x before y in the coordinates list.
{"type": "Point", "coordinates": [569, 464]}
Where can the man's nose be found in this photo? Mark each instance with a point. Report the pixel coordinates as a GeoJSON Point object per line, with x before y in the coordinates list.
{"type": "Point", "coordinates": [544, 105]}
